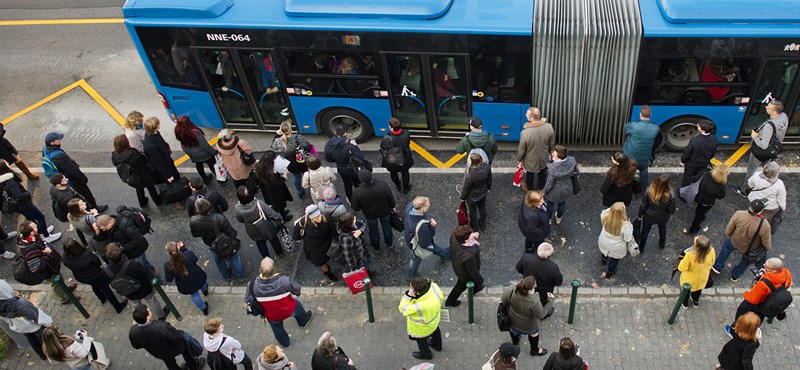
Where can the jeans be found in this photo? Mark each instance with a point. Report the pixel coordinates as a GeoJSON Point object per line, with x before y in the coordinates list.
{"type": "Point", "coordinates": [348, 182]}
{"type": "Point", "coordinates": [724, 253]}
{"type": "Point", "coordinates": [374, 236]}
{"type": "Point", "coordinates": [300, 315]}
{"type": "Point", "coordinates": [477, 214]}
{"type": "Point", "coordinates": [542, 179]}
{"type": "Point", "coordinates": [562, 207]}
{"type": "Point", "coordinates": [436, 343]}
{"type": "Point", "coordinates": [34, 214]}
{"type": "Point", "coordinates": [414, 261]}
{"type": "Point", "coordinates": [104, 293]}
{"type": "Point", "coordinates": [741, 267]}
{"type": "Point", "coordinates": [396, 179]}
{"type": "Point", "coordinates": [647, 224]}
{"type": "Point", "coordinates": [612, 265]}
{"type": "Point", "coordinates": [152, 303]}
{"type": "Point", "coordinates": [143, 260]}
{"type": "Point", "coordinates": [197, 300]}
{"type": "Point", "coordinates": [298, 184]}
{"type": "Point", "coordinates": [264, 249]}
{"type": "Point", "coordinates": [643, 174]}
{"type": "Point", "coordinates": [753, 164]}
{"type": "Point", "coordinates": [62, 297]}
{"type": "Point", "coordinates": [84, 367]}
{"type": "Point", "coordinates": [222, 265]}
{"type": "Point", "coordinates": [699, 217]}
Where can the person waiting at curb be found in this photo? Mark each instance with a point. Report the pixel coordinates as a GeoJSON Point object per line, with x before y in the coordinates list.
{"type": "Point", "coordinates": [208, 226]}
{"type": "Point", "coordinates": [199, 191]}
{"type": "Point", "coordinates": [477, 138]}
{"type": "Point", "coordinates": [567, 357]}
{"type": "Point", "coordinates": [123, 231]}
{"type": "Point", "coordinates": [279, 297]}
{"type": "Point", "coordinates": [640, 138]}
{"type": "Point", "coordinates": [273, 358]}
{"type": "Point", "coordinates": [328, 356]}
{"type": "Point", "coordinates": [317, 178]}
{"type": "Point", "coordinates": [416, 212]}
{"type": "Point", "coordinates": [69, 168]}
{"type": "Point", "coordinates": [190, 279]}
{"type": "Point", "coordinates": [161, 340]}
{"type": "Point", "coordinates": [118, 265]}
{"type": "Point", "coordinates": [695, 268]}
{"type": "Point", "coordinates": [546, 272]}
{"type": "Point", "coordinates": [421, 305]}
{"type": "Point", "coordinates": [214, 340]}
{"type": "Point", "coordinates": [558, 187]}
{"type": "Point", "coordinates": [466, 263]}
{"type": "Point", "coordinates": [738, 353]}
{"type": "Point", "coordinates": [398, 137]}
{"type": "Point", "coordinates": [87, 269]}
{"type": "Point", "coordinates": [775, 274]}
{"type": "Point", "coordinates": [525, 311]}
{"type": "Point", "coordinates": [533, 220]}
{"type": "Point", "coordinates": [761, 136]}
{"type": "Point", "coordinates": [40, 258]}
{"type": "Point", "coordinates": [698, 154]}
{"type": "Point", "coordinates": [338, 150]}
{"type": "Point", "coordinates": [746, 230]}
{"type": "Point", "coordinates": [535, 145]}
{"type": "Point", "coordinates": [376, 200]}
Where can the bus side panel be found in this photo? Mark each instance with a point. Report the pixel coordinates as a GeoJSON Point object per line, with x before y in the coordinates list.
{"type": "Point", "coordinates": [307, 108]}
{"type": "Point", "coordinates": [728, 119]}
{"type": "Point", "coordinates": [495, 116]}
{"type": "Point", "coordinates": [198, 105]}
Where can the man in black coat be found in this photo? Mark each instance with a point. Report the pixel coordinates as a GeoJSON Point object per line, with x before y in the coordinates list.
{"type": "Point", "coordinates": [338, 150]}
{"type": "Point", "coordinates": [69, 168]}
{"type": "Point", "coordinates": [466, 263]}
{"type": "Point", "coordinates": [218, 203]}
{"type": "Point", "coordinates": [208, 225]}
{"type": "Point", "coordinates": [60, 194]}
{"type": "Point", "coordinates": [161, 340]}
{"type": "Point", "coordinates": [376, 200]}
{"type": "Point", "coordinates": [697, 155]}
{"type": "Point", "coordinates": [533, 220]}
{"type": "Point", "coordinates": [545, 271]}
{"type": "Point", "coordinates": [123, 231]}
{"type": "Point", "coordinates": [118, 264]}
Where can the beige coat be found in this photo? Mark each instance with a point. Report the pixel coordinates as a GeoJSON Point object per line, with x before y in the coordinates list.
{"type": "Point", "coordinates": [536, 142]}
{"type": "Point", "coordinates": [741, 229]}
{"type": "Point", "coordinates": [232, 158]}
{"type": "Point", "coordinates": [317, 180]}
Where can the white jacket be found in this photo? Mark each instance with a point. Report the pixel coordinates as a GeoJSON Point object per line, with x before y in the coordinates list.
{"type": "Point", "coordinates": [774, 193]}
{"type": "Point", "coordinates": [318, 179]}
{"type": "Point", "coordinates": [230, 347]}
{"type": "Point", "coordinates": [615, 246]}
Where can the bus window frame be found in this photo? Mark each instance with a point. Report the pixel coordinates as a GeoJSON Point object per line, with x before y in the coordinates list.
{"type": "Point", "coordinates": [382, 82]}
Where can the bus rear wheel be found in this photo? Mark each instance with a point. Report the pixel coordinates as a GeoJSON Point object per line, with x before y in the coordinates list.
{"type": "Point", "coordinates": [678, 131]}
{"type": "Point", "coordinates": [358, 126]}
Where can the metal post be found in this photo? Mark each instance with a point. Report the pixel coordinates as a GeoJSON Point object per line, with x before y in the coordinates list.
{"type": "Point", "coordinates": [684, 293]}
{"type": "Point", "coordinates": [368, 292]}
{"type": "Point", "coordinates": [60, 282]}
{"type": "Point", "coordinates": [166, 299]}
{"type": "Point", "coordinates": [470, 303]}
{"type": "Point", "coordinates": [573, 301]}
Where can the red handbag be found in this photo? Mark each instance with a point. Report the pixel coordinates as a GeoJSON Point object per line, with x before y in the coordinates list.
{"type": "Point", "coordinates": [355, 280]}
{"type": "Point", "coordinates": [519, 176]}
{"type": "Point", "coordinates": [463, 219]}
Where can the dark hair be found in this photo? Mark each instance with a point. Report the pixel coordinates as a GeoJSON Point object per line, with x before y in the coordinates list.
{"type": "Point", "coordinates": [346, 221]}
{"type": "Point", "coordinates": [74, 208]}
{"type": "Point", "coordinates": [625, 170]}
{"type": "Point", "coordinates": [566, 348]}
{"type": "Point", "coordinates": [114, 252]}
{"type": "Point", "coordinates": [72, 248]}
{"type": "Point", "coordinates": [475, 160]}
{"type": "Point", "coordinates": [394, 123]}
{"type": "Point", "coordinates": [706, 126]}
{"type": "Point", "coordinates": [185, 132]}
{"type": "Point", "coordinates": [202, 206]}
{"type": "Point", "coordinates": [462, 233]}
{"type": "Point", "coordinates": [561, 151]}
{"type": "Point", "coordinates": [140, 314]}
{"type": "Point", "coordinates": [176, 262]}
{"type": "Point", "coordinates": [659, 189]}
{"type": "Point", "coordinates": [196, 183]}
{"type": "Point", "coordinates": [244, 195]}
{"type": "Point", "coordinates": [265, 170]}
{"type": "Point", "coordinates": [420, 284]}
{"type": "Point", "coordinates": [25, 228]}
{"type": "Point", "coordinates": [525, 285]}
{"type": "Point", "coordinates": [121, 144]}
{"type": "Point", "coordinates": [645, 111]}
{"type": "Point", "coordinates": [313, 162]}
{"type": "Point", "coordinates": [4, 169]}
{"type": "Point", "coordinates": [56, 179]}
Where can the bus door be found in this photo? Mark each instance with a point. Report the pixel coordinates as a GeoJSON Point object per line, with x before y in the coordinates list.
{"type": "Point", "coordinates": [243, 82]}
{"type": "Point", "coordinates": [430, 93]}
{"type": "Point", "coordinates": [778, 79]}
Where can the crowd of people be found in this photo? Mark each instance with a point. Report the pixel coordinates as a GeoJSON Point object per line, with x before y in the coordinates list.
{"type": "Point", "coordinates": [109, 254]}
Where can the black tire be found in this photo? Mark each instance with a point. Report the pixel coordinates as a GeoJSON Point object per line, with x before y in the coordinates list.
{"type": "Point", "coordinates": [359, 128]}
{"type": "Point", "coordinates": [678, 131]}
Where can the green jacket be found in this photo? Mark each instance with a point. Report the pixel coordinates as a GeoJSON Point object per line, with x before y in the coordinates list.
{"type": "Point", "coordinates": [481, 139]}
{"type": "Point", "coordinates": [423, 313]}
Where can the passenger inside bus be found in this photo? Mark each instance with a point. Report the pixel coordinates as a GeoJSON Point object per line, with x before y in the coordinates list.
{"type": "Point", "coordinates": [444, 86]}
{"type": "Point", "coordinates": [674, 72]}
{"type": "Point", "coordinates": [717, 71]}
{"type": "Point", "coordinates": [410, 76]}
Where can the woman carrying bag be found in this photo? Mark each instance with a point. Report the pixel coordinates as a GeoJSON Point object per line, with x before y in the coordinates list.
{"type": "Point", "coordinates": [695, 268]}
{"type": "Point", "coordinates": [658, 204]}
{"type": "Point", "coordinates": [194, 144]}
{"type": "Point", "coordinates": [613, 241]}
{"type": "Point", "coordinates": [316, 232]}
{"type": "Point", "coordinates": [79, 353]}
{"type": "Point", "coordinates": [261, 222]}
{"type": "Point", "coordinates": [134, 170]}
{"type": "Point", "coordinates": [296, 149]}
{"type": "Point", "coordinates": [236, 153]}
{"type": "Point", "coordinates": [273, 185]}
{"type": "Point", "coordinates": [351, 239]}
{"type": "Point", "coordinates": [189, 277]}
{"type": "Point", "coordinates": [476, 186]}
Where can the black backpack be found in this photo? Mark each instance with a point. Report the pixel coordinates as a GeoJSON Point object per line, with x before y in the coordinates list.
{"type": "Point", "coordinates": [140, 218]}
{"type": "Point", "coordinates": [777, 301]}
{"type": "Point", "coordinates": [355, 164]}
{"type": "Point", "coordinates": [23, 274]}
{"type": "Point", "coordinates": [123, 284]}
{"type": "Point", "coordinates": [774, 147]}
{"type": "Point", "coordinates": [128, 174]}
{"type": "Point", "coordinates": [393, 156]}
{"type": "Point", "coordinates": [218, 361]}
{"type": "Point", "coordinates": [254, 307]}
{"type": "Point", "coordinates": [224, 245]}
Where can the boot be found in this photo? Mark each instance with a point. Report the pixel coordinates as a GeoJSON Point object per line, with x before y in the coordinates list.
{"type": "Point", "coordinates": [514, 338]}
{"type": "Point", "coordinates": [22, 166]}
{"type": "Point", "coordinates": [331, 275]}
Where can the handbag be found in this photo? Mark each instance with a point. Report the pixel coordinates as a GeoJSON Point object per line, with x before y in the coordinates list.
{"type": "Point", "coordinates": [757, 254]}
{"type": "Point", "coordinates": [689, 192]}
{"type": "Point", "coordinates": [195, 349]}
{"type": "Point", "coordinates": [10, 205]}
{"type": "Point", "coordinates": [503, 321]}
{"type": "Point", "coordinates": [519, 176]}
{"type": "Point", "coordinates": [710, 282]}
{"type": "Point", "coordinates": [286, 239]}
{"type": "Point", "coordinates": [776, 221]}
{"type": "Point", "coordinates": [263, 224]}
{"type": "Point", "coordinates": [463, 219]}
{"type": "Point", "coordinates": [576, 186]}
{"type": "Point", "coordinates": [355, 280]}
{"type": "Point", "coordinates": [633, 248]}
{"type": "Point", "coordinates": [247, 158]}
{"type": "Point", "coordinates": [98, 360]}
{"type": "Point", "coordinates": [220, 170]}
{"type": "Point", "coordinates": [396, 221]}
{"type": "Point", "coordinates": [489, 365]}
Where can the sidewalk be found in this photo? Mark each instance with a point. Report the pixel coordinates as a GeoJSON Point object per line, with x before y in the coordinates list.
{"type": "Point", "coordinates": [627, 332]}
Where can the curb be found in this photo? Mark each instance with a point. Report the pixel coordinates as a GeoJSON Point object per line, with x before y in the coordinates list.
{"type": "Point", "coordinates": [489, 292]}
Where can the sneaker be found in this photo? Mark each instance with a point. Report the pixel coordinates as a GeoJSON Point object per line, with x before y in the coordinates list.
{"type": "Point", "coordinates": [728, 331]}
{"type": "Point", "coordinates": [685, 304]}
{"type": "Point", "coordinates": [310, 317]}
{"type": "Point", "coordinates": [696, 304]}
{"type": "Point", "coordinates": [734, 278]}
{"type": "Point", "coordinates": [738, 191]}
{"type": "Point", "coordinates": [11, 235]}
{"type": "Point", "coordinates": [9, 255]}
{"type": "Point", "coordinates": [50, 229]}
{"type": "Point", "coordinates": [53, 237]}
{"type": "Point", "coordinates": [714, 270]}
{"type": "Point", "coordinates": [558, 220]}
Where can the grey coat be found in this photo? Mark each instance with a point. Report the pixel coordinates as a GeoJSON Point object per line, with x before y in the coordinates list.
{"type": "Point", "coordinates": [558, 187]}
{"type": "Point", "coordinates": [202, 152]}
{"type": "Point", "coordinates": [536, 142]}
{"type": "Point", "coordinates": [248, 214]}
{"type": "Point", "coordinates": [525, 311]}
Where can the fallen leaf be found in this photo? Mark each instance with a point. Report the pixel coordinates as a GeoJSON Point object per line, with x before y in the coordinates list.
{"type": "Point", "coordinates": [598, 332]}
{"type": "Point", "coordinates": [782, 256]}
{"type": "Point", "coordinates": [595, 285]}
{"type": "Point", "coordinates": [447, 334]}
{"type": "Point", "coordinates": [205, 264]}
{"type": "Point", "coordinates": [563, 240]}
{"type": "Point", "coordinates": [705, 229]}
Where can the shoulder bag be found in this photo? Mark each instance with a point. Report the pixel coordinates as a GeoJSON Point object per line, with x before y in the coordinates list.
{"type": "Point", "coordinates": [774, 147]}
{"type": "Point", "coordinates": [247, 158]}
{"type": "Point", "coordinates": [503, 321]}
{"type": "Point", "coordinates": [759, 253]}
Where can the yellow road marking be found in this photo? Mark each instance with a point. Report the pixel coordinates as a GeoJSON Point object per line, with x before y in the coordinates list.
{"type": "Point", "coordinates": [738, 154]}
{"type": "Point", "coordinates": [40, 103]}
{"type": "Point", "coordinates": [102, 101]}
{"type": "Point", "coordinates": [42, 22]}
{"type": "Point", "coordinates": [430, 158]}
{"type": "Point", "coordinates": [715, 161]}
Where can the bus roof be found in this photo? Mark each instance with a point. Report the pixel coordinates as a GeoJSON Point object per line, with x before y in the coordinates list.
{"type": "Point", "coordinates": [720, 18]}
{"type": "Point", "coordinates": [501, 17]}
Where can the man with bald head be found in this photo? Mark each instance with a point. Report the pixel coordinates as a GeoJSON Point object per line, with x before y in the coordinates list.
{"type": "Point", "coordinates": [773, 273]}
{"type": "Point", "coordinates": [536, 142]}
{"type": "Point", "coordinates": [278, 296]}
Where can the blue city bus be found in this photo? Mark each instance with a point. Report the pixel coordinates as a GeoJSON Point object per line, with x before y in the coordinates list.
{"type": "Point", "coordinates": [589, 66]}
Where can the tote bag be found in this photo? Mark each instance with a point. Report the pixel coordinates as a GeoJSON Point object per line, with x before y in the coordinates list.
{"type": "Point", "coordinates": [355, 280]}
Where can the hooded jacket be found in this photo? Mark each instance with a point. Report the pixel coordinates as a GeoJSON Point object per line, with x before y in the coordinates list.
{"type": "Point", "coordinates": [535, 144]}
{"type": "Point", "coordinates": [765, 132]}
{"type": "Point", "coordinates": [232, 158]}
{"type": "Point", "coordinates": [15, 190]}
{"type": "Point", "coordinates": [332, 209]}
{"type": "Point", "coordinates": [19, 313]}
{"type": "Point", "coordinates": [276, 294]}
{"type": "Point", "coordinates": [373, 197]}
{"type": "Point", "coordinates": [558, 187]}
{"type": "Point", "coordinates": [478, 139]}
{"type": "Point", "coordinates": [231, 349]}
{"type": "Point", "coordinates": [401, 139]}
{"type": "Point", "coordinates": [760, 290]}
{"type": "Point", "coordinates": [66, 165]}
{"type": "Point", "coordinates": [338, 150]}
{"type": "Point", "coordinates": [209, 226]}
{"type": "Point", "coordinates": [248, 214]}
{"type": "Point", "coordinates": [773, 191]}
{"type": "Point", "coordinates": [139, 163]}
{"type": "Point", "coordinates": [477, 183]}
{"type": "Point", "coordinates": [426, 231]}
{"type": "Point", "coordinates": [282, 364]}
{"type": "Point", "coordinates": [533, 223]}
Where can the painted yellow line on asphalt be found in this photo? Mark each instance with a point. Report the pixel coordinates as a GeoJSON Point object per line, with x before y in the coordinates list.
{"type": "Point", "coordinates": [40, 103]}
{"type": "Point", "coordinates": [102, 102]}
{"type": "Point", "coordinates": [44, 22]}
{"type": "Point", "coordinates": [435, 161]}
{"type": "Point", "coordinates": [738, 154]}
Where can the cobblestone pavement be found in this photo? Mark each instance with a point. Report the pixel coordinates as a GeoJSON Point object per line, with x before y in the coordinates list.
{"type": "Point", "coordinates": [617, 328]}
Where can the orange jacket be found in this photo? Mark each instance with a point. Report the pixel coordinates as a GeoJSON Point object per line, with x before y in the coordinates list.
{"type": "Point", "coordinates": [760, 291]}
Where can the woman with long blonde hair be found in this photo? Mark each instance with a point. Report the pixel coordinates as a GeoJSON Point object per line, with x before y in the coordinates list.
{"type": "Point", "coordinates": [296, 149]}
{"type": "Point", "coordinates": [59, 347]}
{"type": "Point", "coordinates": [658, 205]}
{"type": "Point", "coordinates": [614, 238]}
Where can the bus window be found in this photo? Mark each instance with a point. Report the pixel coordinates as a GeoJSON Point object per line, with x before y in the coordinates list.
{"type": "Point", "coordinates": [170, 56]}
{"type": "Point", "coordinates": [262, 76]}
{"type": "Point", "coordinates": [333, 73]}
{"type": "Point", "coordinates": [225, 85]}
{"type": "Point", "coordinates": [450, 91]}
{"type": "Point", "coordinates": [777, 79]}
{"type": "Point", "coordinates": [498, 67]}
{"type": "Point", "coordinates": [405, 77]}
